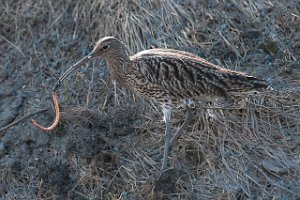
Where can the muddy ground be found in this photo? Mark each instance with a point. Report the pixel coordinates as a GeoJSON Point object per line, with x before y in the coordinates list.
{"type": "Point", "coordinates": [102, 149]}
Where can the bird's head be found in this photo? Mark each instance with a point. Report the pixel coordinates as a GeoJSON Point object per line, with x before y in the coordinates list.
{"type": "Point", "coordinates": [107, 48]}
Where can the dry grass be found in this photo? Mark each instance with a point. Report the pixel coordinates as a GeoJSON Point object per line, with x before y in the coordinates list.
{"type": "Point", "coordinates": [245, 149]}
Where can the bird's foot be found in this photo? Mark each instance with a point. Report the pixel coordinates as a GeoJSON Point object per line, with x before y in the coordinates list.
{"type": "Point", "coordinates": [165, 183]}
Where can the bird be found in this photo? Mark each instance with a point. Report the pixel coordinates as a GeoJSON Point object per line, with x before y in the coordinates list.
{"type": "Point", "coordinates": [167, 77]}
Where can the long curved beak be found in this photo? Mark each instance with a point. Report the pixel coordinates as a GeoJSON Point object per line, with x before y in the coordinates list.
{"type": "Point", "coordinates": [91, 56]}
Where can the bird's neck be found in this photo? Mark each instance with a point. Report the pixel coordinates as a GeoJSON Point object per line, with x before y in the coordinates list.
{"type": "Point", "coordinates": [118, 64]}
{"type": "Point", "coordinates": [118, 68]}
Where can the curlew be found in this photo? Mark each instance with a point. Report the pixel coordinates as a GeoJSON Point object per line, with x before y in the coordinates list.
{"type": "Point", "coordinates": [167, 77]}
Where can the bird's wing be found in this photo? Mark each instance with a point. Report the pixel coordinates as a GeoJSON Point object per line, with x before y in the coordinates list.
{"type": "Point", "coordinates": [187, 76]}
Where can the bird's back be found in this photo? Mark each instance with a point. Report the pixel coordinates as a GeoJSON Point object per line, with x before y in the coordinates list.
{"type": "Point", "coordinates": [181, 75]}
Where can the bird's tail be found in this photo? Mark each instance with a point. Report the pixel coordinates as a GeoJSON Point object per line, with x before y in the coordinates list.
{"type": "Point", "coordinates": [249, 83]}
{"type": "Point", "coordinates": [259, 84]}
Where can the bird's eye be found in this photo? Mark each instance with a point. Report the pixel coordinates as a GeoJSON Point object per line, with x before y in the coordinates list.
{"type": "Point", "coordinates": [104, 47]}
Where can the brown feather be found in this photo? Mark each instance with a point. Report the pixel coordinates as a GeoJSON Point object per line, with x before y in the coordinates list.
{"type": "Point", "coordinates": [167, 75]}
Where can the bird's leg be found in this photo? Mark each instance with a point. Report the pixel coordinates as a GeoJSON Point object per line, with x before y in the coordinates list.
{"type": "Point", "coordinates": [167, 117]}
{"type": "Point", "coordinates": [188, 117]}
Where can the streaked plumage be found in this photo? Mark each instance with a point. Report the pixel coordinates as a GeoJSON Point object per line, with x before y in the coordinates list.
{"type": "Point", "coordinates": [173, 76]}
{"type": "Point", "coordinates": [168, 76]}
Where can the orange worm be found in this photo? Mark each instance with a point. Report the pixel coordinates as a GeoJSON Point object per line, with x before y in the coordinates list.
{"type": "Point", "coordinates": [57, 116]}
